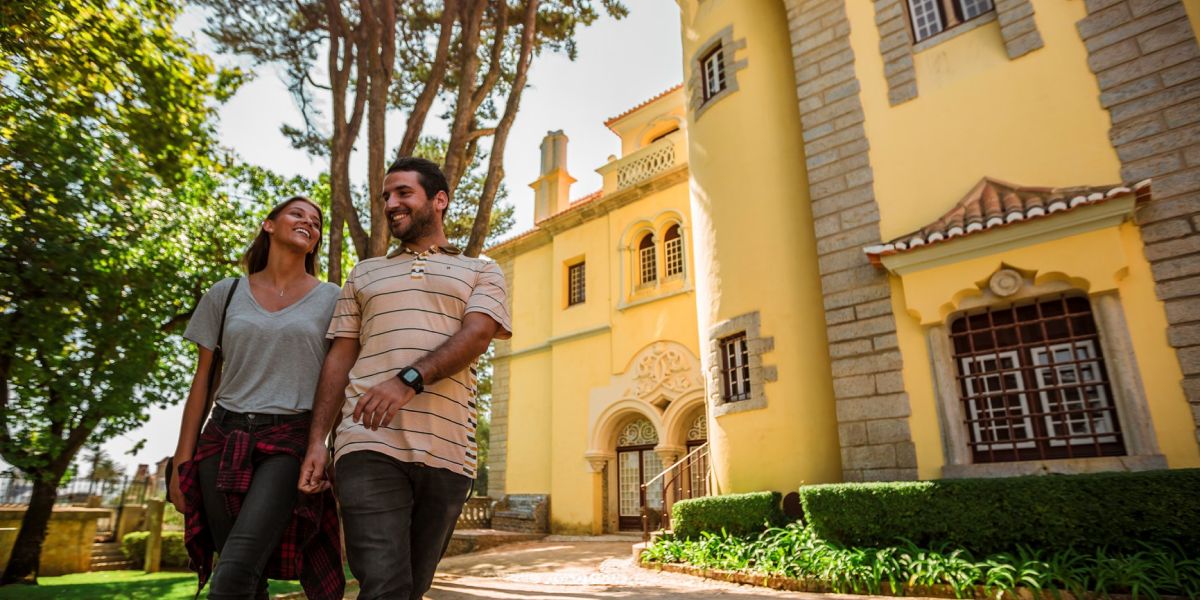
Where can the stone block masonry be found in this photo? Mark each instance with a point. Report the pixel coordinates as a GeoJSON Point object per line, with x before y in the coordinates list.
{"type": "Point", "coordinates": [872, 406]}
{"type": "Point", "coordinates": [1147, 62]}
{"type": "Point", "coordinates": [498, 443]}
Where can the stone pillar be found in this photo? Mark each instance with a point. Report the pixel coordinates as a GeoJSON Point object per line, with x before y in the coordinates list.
{"type": "Point", "coordinates": [154, 522]}
{"type": "Point", "coordinates": [1147, 62]}
{"type": "Point", "coordinates": [872, 405]}
{"type": "Point", "coordinates": [498, 442]}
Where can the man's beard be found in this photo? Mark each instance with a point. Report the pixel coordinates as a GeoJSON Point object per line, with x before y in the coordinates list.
{"type": "Point", "coordinates": [420, 225]}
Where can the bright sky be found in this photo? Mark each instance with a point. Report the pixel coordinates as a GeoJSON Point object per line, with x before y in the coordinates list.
{"type": "Point", "coordinates": [620, 64]}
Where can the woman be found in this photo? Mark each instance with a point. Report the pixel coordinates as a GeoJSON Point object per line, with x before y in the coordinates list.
{"type": "Point", "coordinates": [237, 482]}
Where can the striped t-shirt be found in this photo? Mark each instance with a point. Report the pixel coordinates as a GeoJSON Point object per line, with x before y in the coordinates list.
{"type": "Point", "coordinates": [402, 307]}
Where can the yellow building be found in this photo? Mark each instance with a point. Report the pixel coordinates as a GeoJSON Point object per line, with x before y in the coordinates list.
{"type": "Point", "coordinates": [863, 241]}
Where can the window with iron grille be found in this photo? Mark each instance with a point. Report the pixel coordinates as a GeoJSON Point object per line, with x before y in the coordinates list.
{"type": "Point", "coordinates": [1033, 383]}
{"type": "Point", "coordinates": [673, 251]}
{"type": "Point", "coordinates": [931, 17]}
{"type": "Point", "coordinates": [735, 368]}
{"type": "Point", "coordinates": [714, 73]}
{"type": "Point", "coordinates": [647, 260]}
{"type": "Point", "coordinates": [577, 291]}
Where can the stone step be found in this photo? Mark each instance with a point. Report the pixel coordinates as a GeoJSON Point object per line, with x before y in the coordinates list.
{"type": "Point", "coordinates": [464, 541]}
{"type": "Point", "coordinates": [125, 565]}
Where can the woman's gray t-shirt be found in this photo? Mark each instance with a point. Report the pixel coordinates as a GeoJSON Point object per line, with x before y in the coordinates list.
{"type": "Point", "coordinates": [272, 359]}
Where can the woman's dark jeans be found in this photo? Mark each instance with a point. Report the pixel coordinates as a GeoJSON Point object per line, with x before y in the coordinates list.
{"type": "Point", "coordinates": [245, 545]}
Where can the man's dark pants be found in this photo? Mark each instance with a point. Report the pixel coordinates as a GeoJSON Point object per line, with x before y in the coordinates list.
{"type": "Point", "coordinates": [398, 518]}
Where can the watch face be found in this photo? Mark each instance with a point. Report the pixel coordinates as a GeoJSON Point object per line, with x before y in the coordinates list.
{"type": "Point", "coordinates": [410, 376]}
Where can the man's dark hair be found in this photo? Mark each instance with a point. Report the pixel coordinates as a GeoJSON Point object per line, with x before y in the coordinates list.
{"type": "Point", "coordinates": [428, 173]}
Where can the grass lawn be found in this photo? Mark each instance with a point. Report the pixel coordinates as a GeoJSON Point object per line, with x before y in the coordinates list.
{"type": "Point", "coordinates": [120, 585]}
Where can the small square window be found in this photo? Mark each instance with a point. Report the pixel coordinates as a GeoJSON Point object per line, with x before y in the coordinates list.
{"type": "Point", "coordinates": [577, 291]}
{"type": "Point", "coordinates": [735, 368]}
{"type": "Point", "coordinates": [714, 73]}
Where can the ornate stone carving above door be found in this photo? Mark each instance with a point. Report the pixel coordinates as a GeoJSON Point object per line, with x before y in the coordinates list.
{"type": "Point", "coordinates": [661, 373]}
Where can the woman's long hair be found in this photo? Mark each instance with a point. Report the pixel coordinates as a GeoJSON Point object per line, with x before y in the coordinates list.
{"type": "Point", "coordinates": [255, 257]}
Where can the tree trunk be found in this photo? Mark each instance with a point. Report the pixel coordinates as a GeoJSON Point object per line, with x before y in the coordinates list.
{"type": "Point", "coordinates": [483, 216]}
{"type": "Point", "coordinates": [27, 550]}
{"type": "Point", "coordinates": [379, 19]}
{"type": "Point", "coordinates": [337, 238]}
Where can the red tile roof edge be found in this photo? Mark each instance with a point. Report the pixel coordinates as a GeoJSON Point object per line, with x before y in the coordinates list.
{"type": "Point", "coordinates": [588, 199]}
{"type": "Point", "coordinates": [1072, 199]}
{"type": "Point", "coordinates": [609, 122]}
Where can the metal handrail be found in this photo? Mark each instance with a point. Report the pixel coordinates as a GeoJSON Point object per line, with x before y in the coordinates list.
{"type": "Point", "coordinates": [679, 467]}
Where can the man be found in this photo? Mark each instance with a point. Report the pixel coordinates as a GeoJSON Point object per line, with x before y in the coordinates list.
{"type": "Point", "coordinates": [399, 382]}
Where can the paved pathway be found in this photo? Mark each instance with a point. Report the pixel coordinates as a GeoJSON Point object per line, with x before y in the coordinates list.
{"type": "Point", "coordinates": [577, 570]}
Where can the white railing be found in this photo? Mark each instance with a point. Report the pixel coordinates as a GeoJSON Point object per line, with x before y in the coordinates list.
{"type": "Point", "coordinates": [656, 161]}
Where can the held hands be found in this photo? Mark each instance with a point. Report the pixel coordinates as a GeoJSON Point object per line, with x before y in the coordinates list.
{"type": "Point", "coordinates": [379, 405]}
{"type": "Point", "coordinates": [313, 479]}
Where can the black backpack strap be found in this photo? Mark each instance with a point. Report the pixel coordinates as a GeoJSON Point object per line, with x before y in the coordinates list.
{"type": "Point", "coordinates": [224, 312]}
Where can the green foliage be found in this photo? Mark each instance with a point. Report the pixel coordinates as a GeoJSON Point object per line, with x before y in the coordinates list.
{"type": "Point", "coordinates": [735, 514]}
{"type": "Point", "coordinates": [174, 554]}
{"type": "Point", "coordinates": [1118, 510]}
{"type": "Point", "coordinates": [797, 551]}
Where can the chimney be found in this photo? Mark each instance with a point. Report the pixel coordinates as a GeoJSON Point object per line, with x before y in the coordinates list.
{"type": "Point", "coordinates": [553, 187]}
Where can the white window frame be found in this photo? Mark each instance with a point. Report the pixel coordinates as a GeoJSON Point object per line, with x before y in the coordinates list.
{"type": "Point", "coordinates": [1053, 374]}
{"type": "Point", "coordinates": [714, 73]}
{"type": "Point", "coordinates": [647, 264]}
{"type": "Point", "coordinates": [673, 252]}
{"type": "Point", "coordinates": [970, 376]}
{"type": "Point", "coordinates": [931, 12]}
{"type": "Point", "coordinates": [736, 352]}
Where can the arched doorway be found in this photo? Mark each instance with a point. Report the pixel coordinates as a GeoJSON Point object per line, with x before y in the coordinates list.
{"type": "Point", "coordinates": [637, 463]}
{"type": "Point", "coordinates": [697, 469]}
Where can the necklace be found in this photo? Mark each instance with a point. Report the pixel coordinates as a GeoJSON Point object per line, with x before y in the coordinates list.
{"type": "Point", "coordinates": [273, 287]}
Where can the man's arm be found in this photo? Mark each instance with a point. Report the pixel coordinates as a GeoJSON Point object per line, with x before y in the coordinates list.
{"type": "Point", "coordinates": [331, 394]}
{"type": "Point", "coordinates": [380, 404]}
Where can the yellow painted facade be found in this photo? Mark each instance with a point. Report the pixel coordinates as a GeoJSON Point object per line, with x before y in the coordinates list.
{"type": "Point", "coordinates": [781, 189]}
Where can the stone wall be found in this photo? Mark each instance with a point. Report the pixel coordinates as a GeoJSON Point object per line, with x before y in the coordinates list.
{"type": "Point", "coordinates": [68, 545]}
{"type": "Point", "coordinates": [872, 406]}
{"type": "Point", "coordinates": [498, 441]}
{"type": "Point", "coordinates": [1147, 62]}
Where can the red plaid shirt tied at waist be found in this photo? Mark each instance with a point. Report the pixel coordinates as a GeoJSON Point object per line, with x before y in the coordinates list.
{"type": "Point", "coordinates": [310, 550]}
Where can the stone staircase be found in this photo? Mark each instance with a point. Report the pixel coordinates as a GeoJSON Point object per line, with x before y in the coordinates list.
{"type": "Point", "coordinates": [109, 557]}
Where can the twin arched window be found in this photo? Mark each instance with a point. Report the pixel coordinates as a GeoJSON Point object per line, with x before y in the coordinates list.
{"type": "Point", "coordinates": [648, 256]}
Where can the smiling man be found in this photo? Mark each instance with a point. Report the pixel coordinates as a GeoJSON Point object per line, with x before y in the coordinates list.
{"type": "Point", "coordinates": [400, 384]}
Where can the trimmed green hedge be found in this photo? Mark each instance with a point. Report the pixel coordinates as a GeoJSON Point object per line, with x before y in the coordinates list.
{"type": "Point", "coordinates": [174, 554]}
{"type": "Point", "coordinates": [1117, 510]}
{"type": "Point", "coordinates": [737, 514]}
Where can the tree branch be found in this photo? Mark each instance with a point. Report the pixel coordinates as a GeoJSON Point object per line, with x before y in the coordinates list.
{"type": "Point", "coordinates": [464, 117]}
{"type": "Point", "coordinates": [494, 67]}
{"type": "Point", "coordinates": [483, 217]}
{"type": "Point", "coordinates": [420, 109]}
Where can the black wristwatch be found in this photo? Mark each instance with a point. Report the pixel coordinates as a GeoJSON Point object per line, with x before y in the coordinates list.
{"type": "Point", "coordinates": [412, 378]}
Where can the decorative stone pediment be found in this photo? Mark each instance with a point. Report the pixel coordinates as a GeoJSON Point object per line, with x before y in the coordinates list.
{"type": "Point", "coordinates": [661, 373]}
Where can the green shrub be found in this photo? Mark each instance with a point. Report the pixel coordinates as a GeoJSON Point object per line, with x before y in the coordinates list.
{"type": "Point", "coordinates": [174, 554]}
{"type": "Point", "coordinates": [795, 551]}
{"type": "Point", "coordinates": [1117, 510]}
{"type": "Point", "coordinates": [736, 514]}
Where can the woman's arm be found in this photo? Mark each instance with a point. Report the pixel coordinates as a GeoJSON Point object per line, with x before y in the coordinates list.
{"type": "Point", "coordinates": [193, 415]}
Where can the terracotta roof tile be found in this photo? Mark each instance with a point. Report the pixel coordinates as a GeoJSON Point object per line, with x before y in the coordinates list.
{"type": "Point", "coordinates": [994, 203]}
{"type": "Point", "coordinates": [588, 199]}
{"type": "Point", "coordinates": [609, 122]}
